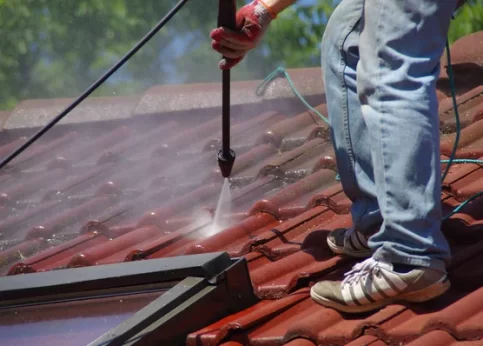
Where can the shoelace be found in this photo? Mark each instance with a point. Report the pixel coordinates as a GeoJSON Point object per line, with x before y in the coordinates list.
{"type": "Point", "coordinates": [361, 270]}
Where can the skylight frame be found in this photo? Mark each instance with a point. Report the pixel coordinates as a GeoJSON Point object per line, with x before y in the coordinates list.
{"type": "Point", "coordinates": [213, 283]}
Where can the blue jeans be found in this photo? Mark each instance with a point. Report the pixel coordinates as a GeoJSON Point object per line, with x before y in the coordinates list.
{"type": "Point", "coordinates": [380, 63]}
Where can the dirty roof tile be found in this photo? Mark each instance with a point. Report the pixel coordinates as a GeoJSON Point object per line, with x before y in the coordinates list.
{"type": "Point", "coordinates": [288, 127]}
{"type": "Point", "coordinates": [56, 257]}
{"type": "Point", "coordinates": [244, 134]}
{"type": "Point", "coordinates": [305, 231]}
{"type": "Point", "coordinates": [56, 224]}
{"type": "Point", "coordinates": [201, 196]}
{"type": "Point", "coordinates": [19, 251]}
{"type": "Point", "coordinates": [95, 254]}
{"type": "Point", "coordinates": [276, 279]}
{"type": "Point", "coordinates": [305, 187]}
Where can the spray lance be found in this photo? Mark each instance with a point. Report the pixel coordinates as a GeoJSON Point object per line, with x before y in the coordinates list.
{"type": "Point", "coordinates": [226, 156]}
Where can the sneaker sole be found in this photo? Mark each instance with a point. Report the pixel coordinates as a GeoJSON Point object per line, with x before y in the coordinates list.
{"type": "Point", "coordinates": [424, 295]}
{"type": "Point", "coordinates": [342, 251]}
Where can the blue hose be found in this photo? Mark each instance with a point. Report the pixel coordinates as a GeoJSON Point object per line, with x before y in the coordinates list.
{"type": "Point", "coordinates": [281, 72]}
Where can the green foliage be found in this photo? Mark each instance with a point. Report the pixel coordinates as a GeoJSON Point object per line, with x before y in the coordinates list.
{"type": "Point", "coordinates": [294, 41]}
{"type": "Point", "coordinates": [57, 48]}
{"type": "Point", "coordinates": [49, 48]}
{"type": "Point", "coordinates": [468, 19]}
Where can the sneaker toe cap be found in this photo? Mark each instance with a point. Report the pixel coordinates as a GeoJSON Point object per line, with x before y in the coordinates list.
{"type": "Point", "coordinates": [328, 290]}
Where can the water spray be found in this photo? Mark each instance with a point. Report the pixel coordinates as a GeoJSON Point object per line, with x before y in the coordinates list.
{"type": "Point", "coordinates": [226, 156]}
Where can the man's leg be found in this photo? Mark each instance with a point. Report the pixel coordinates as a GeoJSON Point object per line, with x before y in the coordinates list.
{"type": "Point", "coordinates": [340, 56]}
{"type": "Point", "coordinates": [400, 47]}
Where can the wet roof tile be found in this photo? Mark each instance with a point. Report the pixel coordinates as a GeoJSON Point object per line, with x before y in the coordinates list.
{"type": "Point", "coordinates": [146, 189]}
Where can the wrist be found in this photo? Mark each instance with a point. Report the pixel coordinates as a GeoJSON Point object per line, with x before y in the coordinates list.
{"type": "Point", "coordinates": [267, 7]}
{"type": "Point", "coordinates": [274, 7]}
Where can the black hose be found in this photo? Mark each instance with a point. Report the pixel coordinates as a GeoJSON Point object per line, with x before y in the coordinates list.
{"type": "Point", "coordinates": [96, 84]}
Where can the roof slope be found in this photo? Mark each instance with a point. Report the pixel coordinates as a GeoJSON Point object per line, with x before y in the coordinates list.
{"type": "Point", "coordinates": [146, 186]}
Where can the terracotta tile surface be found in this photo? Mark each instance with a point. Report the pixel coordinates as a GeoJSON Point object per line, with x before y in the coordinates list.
{"type": "Point", "coordinates": [149, 188]}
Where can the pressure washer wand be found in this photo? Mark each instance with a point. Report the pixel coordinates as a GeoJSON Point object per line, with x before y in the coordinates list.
{"type": "Point", "coordinates": [226, 156]}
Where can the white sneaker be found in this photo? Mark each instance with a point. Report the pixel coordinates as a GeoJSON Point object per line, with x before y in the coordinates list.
{"type": "Point", "coordinates": [349, 242]}
{"type": "Point", "coordinates": [373, 284]}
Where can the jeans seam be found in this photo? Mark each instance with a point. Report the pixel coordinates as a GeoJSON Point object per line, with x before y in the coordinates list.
{"type": "Point", "coordinates": [345, 107]}
{"type": "Point", "coordinates": [381, 118]}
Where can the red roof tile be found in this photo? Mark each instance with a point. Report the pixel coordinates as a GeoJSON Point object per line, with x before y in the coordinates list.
{"type": "Point", "coordinates": [147, 187]}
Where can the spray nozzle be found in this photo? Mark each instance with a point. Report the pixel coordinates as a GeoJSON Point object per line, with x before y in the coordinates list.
{"type": "Point", "coordinates": [226, 159]}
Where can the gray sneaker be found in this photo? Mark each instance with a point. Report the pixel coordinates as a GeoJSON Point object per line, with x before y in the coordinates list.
{"type": "Point", "coordinates": [373, 284]}
{"type": "Point", "coordinates": [347, 241]}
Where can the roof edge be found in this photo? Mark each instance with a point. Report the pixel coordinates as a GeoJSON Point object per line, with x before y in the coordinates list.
{"type": "Point", "coordinates": [170, 98]}
{"type": "Point", "coordinates": [160, 99]}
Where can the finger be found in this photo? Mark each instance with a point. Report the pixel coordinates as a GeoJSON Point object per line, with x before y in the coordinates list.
{"type": "Point", "coordinates": [246, 36]}
{"type": "Point", "coordinates": [237, 37]}
{"type": "Point", "coordinates": [240, 39]}
{"type": "Point", "coordinates": [235, 46]}
{"type": "Point", "coordinates": [226, 64]}
{"type": "Point", "coordinates": [227, 52]}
